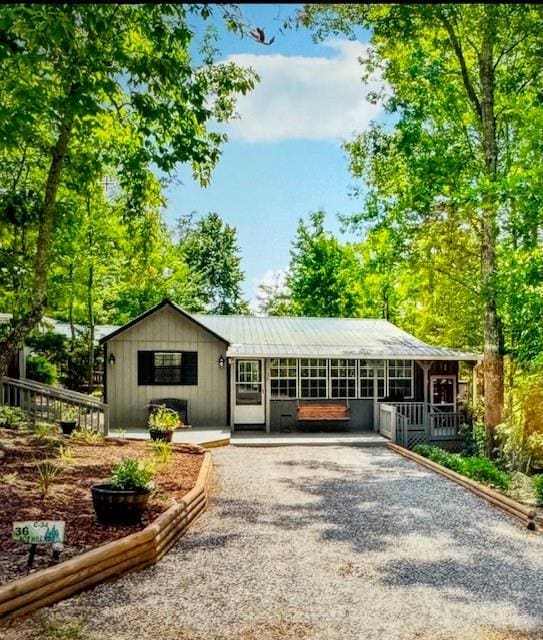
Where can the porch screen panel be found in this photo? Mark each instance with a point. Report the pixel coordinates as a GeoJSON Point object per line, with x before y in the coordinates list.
{"type": "Point", "coordinates": [343, 378]}
{"type": "Point", "coordinates": [367, 378]}
{"type": "Point", "coordinates": [313, 378]}
{"type": "Point", "coordinates": [283, 378]}
{"type": "Point", "coordinates": [400, 378]}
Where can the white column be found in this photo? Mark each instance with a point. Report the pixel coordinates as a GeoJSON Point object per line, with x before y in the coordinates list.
{"type": "Point", "coordinates": [376, 413]}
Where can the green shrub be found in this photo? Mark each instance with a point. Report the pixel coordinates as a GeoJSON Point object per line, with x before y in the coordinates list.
{"type": "Point", "coordinates": [162, 451]}
{"type": "Point", "coordinates": [164, 419]}
{"type": "Point", "coordinates": [13, 417]}
{"type": "Point", "coordinates": [131, 474]}
{"type": "Point", "coordinates": [87, 436]}
{"type": "Point", "coordinates": [40, 369]}
{"type": "Point", "coordinates": [485, 471]}
{"type": "Point", "coordinates": [48, 472]}
{"type": "Point", "coordinates": [475, 467]}
{"type": "Point", "coordinates": [538, 488]}
{"type": "Point", "coordinates": [472, 439]}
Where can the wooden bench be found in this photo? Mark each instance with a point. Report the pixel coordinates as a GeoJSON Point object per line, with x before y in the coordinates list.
{"type": "Point", "coordinates": [317, 412]}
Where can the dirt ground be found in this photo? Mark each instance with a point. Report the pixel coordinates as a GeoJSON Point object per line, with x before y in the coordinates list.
{"type": "Point", "coordinates": [70, 496]}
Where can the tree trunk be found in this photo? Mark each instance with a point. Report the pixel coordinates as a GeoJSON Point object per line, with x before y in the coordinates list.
{"type": "Point", "coordinates": [492, 330]}
{"type": "Point", "coordinates": [71, 306]}
{"type": "Point", "coordinates": [90, 307]}
{"type": "Point", "coordinates": [12, 342]}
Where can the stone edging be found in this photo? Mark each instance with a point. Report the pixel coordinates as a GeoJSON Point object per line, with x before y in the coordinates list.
{"type": "Point", "coordinates": [525, 514]}
{"type": "Point", "coordinates": [112, 560]}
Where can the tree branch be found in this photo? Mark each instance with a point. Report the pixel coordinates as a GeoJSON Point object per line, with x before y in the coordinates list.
{"type": "Point", "coordinates": [468, 85]}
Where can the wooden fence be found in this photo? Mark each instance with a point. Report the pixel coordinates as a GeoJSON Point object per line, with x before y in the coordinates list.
{"type": "Point", "coordinates": [46, 403]}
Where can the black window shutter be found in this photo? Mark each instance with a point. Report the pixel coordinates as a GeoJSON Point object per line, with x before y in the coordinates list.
{"type": "Point", "coordinates": [145, 367]}
{"type": "Point", "coordinates": [189, 367]}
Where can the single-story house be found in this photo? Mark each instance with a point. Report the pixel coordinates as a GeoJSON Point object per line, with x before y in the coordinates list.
{"type": "Point", "coordinates": [282, 374]}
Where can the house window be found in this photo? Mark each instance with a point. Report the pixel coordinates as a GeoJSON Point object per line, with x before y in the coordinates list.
{"type": "Point", "coordinates": [313, 378]}
{"type": "Point", "coordinates": [167, 367]}
{"type": "Point", "coordinates": [343, 378]}
{"type": "Point", "coordinates": [400, 379]}
{"type": "Point", "coordinates": [367, 378]}
{"type": "Point", "coordinates": [283, 375]}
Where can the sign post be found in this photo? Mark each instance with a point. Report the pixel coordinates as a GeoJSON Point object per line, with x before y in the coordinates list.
{"type": "Point", "coordinates": [40, 532]}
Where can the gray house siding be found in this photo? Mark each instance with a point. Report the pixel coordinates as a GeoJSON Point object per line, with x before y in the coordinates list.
{"type": "Point", "coordinates": [283, 416]}
{"type": "Point", "coordinates": [166, 330]}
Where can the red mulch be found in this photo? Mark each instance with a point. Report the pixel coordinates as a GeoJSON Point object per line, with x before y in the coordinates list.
{"type": "Point", "coordinates": [70, 497]}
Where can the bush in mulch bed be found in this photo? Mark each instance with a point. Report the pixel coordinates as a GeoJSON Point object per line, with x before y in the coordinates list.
{"type": "Point", "coordinates": [538, 488]}
{"type": "Point", "coordinates": [475, 467]}
{"type": "Point", "coordinates": [82, 463]}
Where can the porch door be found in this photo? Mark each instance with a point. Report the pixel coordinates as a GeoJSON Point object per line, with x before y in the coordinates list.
{"type": "Point", "coordinates": [443, 393]}
{"type": "Point", "coordinates": [249, 407]}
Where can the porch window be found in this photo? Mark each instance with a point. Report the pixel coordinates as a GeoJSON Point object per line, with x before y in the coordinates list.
{"type": "Point", "coordinates": [343, 378]}
{"type": "Point", "coordinates": [366, 378]}
{"type": "Point", "coordinates": [313, 378]}
{"type": "Point", "coordinates": [283, 378]}
{"type": "Point", "coordinates": [400, 378]}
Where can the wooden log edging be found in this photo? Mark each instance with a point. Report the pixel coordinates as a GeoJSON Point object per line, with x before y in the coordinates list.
{"type": "Point", "coordinates": [523, 513]}
{"type": "Point", "coordinates": [112, 560]}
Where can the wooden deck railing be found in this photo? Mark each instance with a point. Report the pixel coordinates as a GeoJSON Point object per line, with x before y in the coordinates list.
{"type": "Point", "coordinates": [413, 411]}
{"type": "Point", "coordinates": [407, 423]}
{"type": "Point", "coordinates": [46, 403]}
{"type": "Point", "coordinates": [445, 425]}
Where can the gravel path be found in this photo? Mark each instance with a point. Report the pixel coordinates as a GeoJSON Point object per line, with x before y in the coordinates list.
{"type": "Point", "coordinates": [324, 543]}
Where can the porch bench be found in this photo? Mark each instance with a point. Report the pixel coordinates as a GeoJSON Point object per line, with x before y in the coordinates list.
{"type": "Point", "coordinates": [323, 412]}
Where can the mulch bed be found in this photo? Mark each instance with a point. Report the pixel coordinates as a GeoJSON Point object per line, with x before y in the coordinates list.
{"type": "Point", "coordinates": [70, 497]}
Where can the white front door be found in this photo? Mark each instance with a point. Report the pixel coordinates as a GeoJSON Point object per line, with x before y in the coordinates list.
{"type": "Point", "coordinates": [249, 405]}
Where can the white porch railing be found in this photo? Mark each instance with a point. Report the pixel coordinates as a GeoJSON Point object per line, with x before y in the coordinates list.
{"type": "Point", "coordinates": [408, 423]}
{"type": "Point", "coordinates": [444, 425]}
{"type": "Point", "coordinates": [44, 402]}
{"type": "Point", "coordinates": [413, 411]}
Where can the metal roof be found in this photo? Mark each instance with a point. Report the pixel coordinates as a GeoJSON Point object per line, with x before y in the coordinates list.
{"type": "Point", "coordinates": [251, 336]}
{"type": "Point", "coordinates": [100, 330]}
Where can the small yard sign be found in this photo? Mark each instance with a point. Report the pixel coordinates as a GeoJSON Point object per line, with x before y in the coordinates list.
{"type": "Point", "coordinates": [39, 532]}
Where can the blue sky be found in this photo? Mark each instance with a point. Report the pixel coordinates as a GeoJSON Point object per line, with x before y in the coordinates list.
{"type": "Point", "coordinates": [284, 156]}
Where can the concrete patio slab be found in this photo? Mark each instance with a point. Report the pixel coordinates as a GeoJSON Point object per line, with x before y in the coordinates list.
{"type": "Point", "coordinates": [365, 439]}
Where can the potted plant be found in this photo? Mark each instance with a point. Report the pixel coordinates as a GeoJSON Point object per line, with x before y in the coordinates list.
{"type": "Point", "coordinates": [163, 422]}
{"type": "Point", "coordinates": [122, 500]}
{"type": "Point", "coordinates": [68, 419]}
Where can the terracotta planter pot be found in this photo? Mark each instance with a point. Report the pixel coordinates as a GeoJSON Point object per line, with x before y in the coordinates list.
{"type": "Point", "coordinates": [161, 436]}
{"type": "Point", "coordinates": [113, 506]}
{"type": "Point", "coordinates": [68, 426]}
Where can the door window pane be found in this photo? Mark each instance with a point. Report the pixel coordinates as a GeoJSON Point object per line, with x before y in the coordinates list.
{"type": "Point", "coordinates": [249, 382]}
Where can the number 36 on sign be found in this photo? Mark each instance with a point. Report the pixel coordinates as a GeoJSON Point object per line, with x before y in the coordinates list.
{"type": "Point", "coordinates": [39, 532]}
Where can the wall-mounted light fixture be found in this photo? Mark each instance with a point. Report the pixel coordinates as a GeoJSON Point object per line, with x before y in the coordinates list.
{"type": "Point", "coordinates": [111, 359]}
{"type": "Point", "coordinates": [221, 361]}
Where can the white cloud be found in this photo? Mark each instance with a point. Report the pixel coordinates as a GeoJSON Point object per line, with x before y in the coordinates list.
{"type": "Point", "coordinates": [305, 98]}
{"type": "Point", "coordinates": [275, 280]}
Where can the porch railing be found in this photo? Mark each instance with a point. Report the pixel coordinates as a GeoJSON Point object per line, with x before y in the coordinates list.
{"type": "Point", "coordinates": [445, 425]}
{"type": "Point", "coordinates": [46, 403]}
{"type": "Point", "coordinates": [413, 411]}
{"type": "Point", "coordinates": [411, 423]}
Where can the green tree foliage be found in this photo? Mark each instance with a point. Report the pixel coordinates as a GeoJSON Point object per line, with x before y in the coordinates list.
{"type": "Point", "coordinates": [89, 86]}
{"type": "Point", "coordinates": [210, 248]}
{"type": "Point", "coordinates": [464, 83]}
{"type": "Point", "coordinates": [324, 276]}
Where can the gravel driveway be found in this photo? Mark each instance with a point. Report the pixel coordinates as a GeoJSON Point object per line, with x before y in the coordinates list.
{"type": "Point", "coordinates": [324, 543]}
